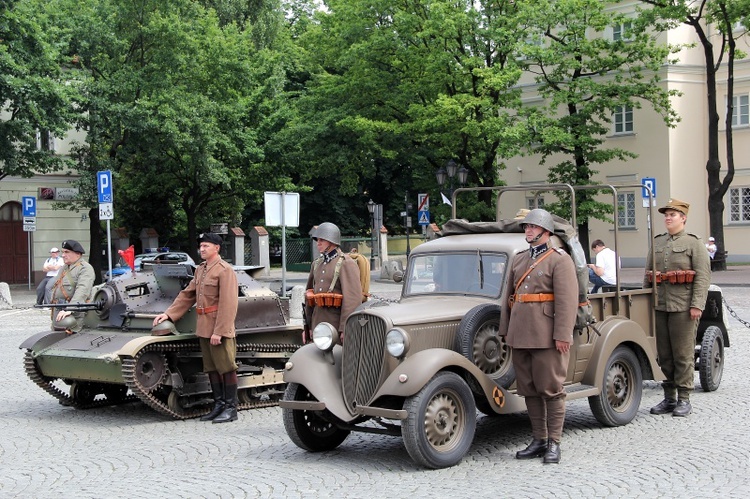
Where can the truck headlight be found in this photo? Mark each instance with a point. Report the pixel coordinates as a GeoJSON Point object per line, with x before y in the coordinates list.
{"type": "Point", "coordinates": [325, 336]}
{"type": "Point", "coordinates": [397, 342]}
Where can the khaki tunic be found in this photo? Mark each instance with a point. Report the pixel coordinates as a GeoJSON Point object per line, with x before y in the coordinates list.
{"type": "Point", "coordinates": [539, 325]}
{"type": "Point", "coordinates": [73, 284]}
{"type": "Point", "coordinates": [347, 284]}
{"type": "Point", "coordinates": [682, 251]}
{"type": "Point", "coordinates": [214, 285]}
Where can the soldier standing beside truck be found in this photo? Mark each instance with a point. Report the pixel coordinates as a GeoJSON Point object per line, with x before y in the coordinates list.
{"type": "Point", "coordinates": [333, 289]}
{"type": "Point", "coordinates": [681, 271]}
{"type": "Point", "coordinates": [538, 323]}
{"type": "Point", "coordinates": [214, 292]}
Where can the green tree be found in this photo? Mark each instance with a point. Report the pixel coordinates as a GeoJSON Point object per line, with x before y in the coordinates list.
{"type": "Point", "coordinates": [701, 15]}
{"type": "Point", "coordinates": [36, 93]}
{"type": "Point", "coordinates": [585, 77]}
{"type": "Point", "coordinates": [401, 88]}
{"type": "Point", "coordinates": [174, 101]}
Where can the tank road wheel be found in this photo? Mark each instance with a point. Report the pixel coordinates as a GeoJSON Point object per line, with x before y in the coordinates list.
{"type": "Point", "coordinates": [82, 393]}
{"type": "Point", "coordinates": [478, 340]}
{"type": "Point", "coordinates": [174, 403]}
{"type": "Point", "coordinates": [441, 421]}
{"type": "Point", "coordinates": [307, 429]}
{"type": "Point", "coordinates": [116, 393]}
{"type": "Point", "coordinates": [150, 369]}
{"type": "Point", "coordinates": [711, 363]}
{"type": "Point", "coordinates": [622, 389]}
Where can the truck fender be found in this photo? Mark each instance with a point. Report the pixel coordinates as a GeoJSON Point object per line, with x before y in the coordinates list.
{"type": "Point", "coordinates": [313, 369]}
{"type": "Point", "coordinates": [422, 366]}
{"type": "Point", "coordinates": [616, 331]}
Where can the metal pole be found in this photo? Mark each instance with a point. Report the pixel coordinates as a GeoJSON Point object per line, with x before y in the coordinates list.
{"type": "Point", "coordinates": [28, 246]}
{"type": "Point", "coordinates": [406, 223]}
{"type": "Point", "coordinates": [372, 240]}
{"type": "Point", "coordinates": [109, 250]}
{"type": "Point", "coordinates": [283, 245]}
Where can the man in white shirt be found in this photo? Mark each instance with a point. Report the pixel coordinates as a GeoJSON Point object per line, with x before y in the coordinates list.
{"type": "Point", "coordinates": [711, 247]}
{"type": "Point", "coordinates": [51, 266]}
{"type": "Point", "coordinates": [604, 271]}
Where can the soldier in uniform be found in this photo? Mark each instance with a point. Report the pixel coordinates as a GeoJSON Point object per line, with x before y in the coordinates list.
{"type": "Point", "coordinates": [681, 272]}
{"type": "Point", "coordinates": [333, 286]}
{"type": "Point", "coordinates": [538, 322]}
{"type": "Point", "coordinates": [73, 283]}
{"type": "Point", "coordinates": [215, 293]}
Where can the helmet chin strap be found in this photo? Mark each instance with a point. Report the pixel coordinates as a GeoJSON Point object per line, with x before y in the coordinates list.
{"type": "Point", "coordinates": [539, 236]}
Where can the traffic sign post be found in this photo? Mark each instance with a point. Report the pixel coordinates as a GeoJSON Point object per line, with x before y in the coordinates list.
{"type": "Point", "coordinates": [28, 204]}
{"type": "Point", "coordinates": [104, 189]}
{"type": "Point", "coordinates": [648, 183]}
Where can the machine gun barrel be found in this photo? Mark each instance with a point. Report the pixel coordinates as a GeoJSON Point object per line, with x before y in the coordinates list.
{"type": "Point", "coordinates": [75, 307]}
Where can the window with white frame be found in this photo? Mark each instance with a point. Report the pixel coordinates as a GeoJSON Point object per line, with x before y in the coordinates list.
{"type": "Point", "coordinates": [622, 32]}
{"type": "Point", "coordinates": [626, 210]}
{"type": "Point", "coordinates": [623, 119]}
{"type": "Point", "coordinates": [530, 203]}
{"type": "Point", "coordinates": [740, 110]}
{"type": "Point", "coordinates": [45, 141]}
{"type": "Point", "coordinates": [739, 204]}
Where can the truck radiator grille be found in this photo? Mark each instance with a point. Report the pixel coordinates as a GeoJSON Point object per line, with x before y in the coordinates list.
{"type": "Point", "coordinates": [364, 348]}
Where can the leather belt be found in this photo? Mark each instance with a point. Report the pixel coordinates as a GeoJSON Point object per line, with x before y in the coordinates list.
{"type": "Point", "coordinates": [206, 310]}
{"type": "Point", "coordinates": [672, 277]}
{"type": "Point", "coordinates": [534, 297]}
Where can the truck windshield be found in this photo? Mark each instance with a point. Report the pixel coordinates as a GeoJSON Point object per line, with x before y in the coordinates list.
{"type": "Point", "coordinates": [474, 273]}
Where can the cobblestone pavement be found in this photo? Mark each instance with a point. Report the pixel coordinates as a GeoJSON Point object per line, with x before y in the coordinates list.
{"type": "Point", "coordinates": [51, 451]}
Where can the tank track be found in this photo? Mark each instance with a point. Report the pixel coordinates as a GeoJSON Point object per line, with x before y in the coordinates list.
{"type": "Point", "coordinates": [147, 395]}
{"type": "Point", "coordinates": [47, 384]}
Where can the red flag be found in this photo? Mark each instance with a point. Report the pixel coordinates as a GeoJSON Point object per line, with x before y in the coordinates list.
{"type": "Point", "coordinates": [129, 256]}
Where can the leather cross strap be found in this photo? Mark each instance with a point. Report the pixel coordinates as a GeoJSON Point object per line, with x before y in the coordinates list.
{"type": "Point", "coordinates": [206, 310]}
{"type": "Point", "coordinates": [512, 298]}
{"type": "Point", "coordinates": [534, 297]}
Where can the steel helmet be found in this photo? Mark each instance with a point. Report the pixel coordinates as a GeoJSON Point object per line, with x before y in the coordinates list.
{"type": "Point", "coordinates": [540, 217]}
{"type": "Point", "coordinates": [329, 232]}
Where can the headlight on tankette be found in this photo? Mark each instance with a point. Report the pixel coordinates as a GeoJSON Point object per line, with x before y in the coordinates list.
{"type": "Point", "coordinates": [397, 342]}
{"type": "Point", "coordinates": [325, 336]}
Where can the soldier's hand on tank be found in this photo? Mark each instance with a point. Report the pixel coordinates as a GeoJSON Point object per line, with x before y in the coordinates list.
{"type": "Point", "coordinates": [215, 339]}
{"type": "Point", "coordinates": [62, 314]}
{"type": "Point", "coordinates": [160, 318]}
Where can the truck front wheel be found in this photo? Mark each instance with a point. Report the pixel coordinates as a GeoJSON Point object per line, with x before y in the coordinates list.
{"type": "Point", "coordinates": [441, 421]}
{"type": "Point", "coordinates": [622, 389]}
{"type": "Point", "coordinates": [308, 429]}
{"type": "Point", "coordinates": [478, 340]}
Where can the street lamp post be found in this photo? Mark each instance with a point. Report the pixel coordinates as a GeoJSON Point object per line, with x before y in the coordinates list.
{"type": "Point", "coordinates": [371, 209]}
{"type": "Point", "coordinates": [451, 172]}
{"type": "Point", "coordinates": [407, 222]}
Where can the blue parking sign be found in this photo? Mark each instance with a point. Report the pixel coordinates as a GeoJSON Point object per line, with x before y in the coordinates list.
{"type": "Point", "coordinates": [29, 206]}
{"type": "Point", "coordinates": [104, 186]}
{"type": "Point", "coordinates": [650, 183]}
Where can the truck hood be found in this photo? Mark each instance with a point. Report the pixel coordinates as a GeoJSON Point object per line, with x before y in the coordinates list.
{"type": "Point", "coordinates": [421, 310]}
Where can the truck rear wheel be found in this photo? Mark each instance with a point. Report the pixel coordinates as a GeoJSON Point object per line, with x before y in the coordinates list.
{"type": "Point", "coordinates": [711, 359]}
{"type": "Point", "coordinates": [307, 429]}
{"type": "Point", "coordinates": [479, 341]}
{"type": "Point", "coordinates": [441, 421]}
{"type": "Point", "coordinates": [622, 389]}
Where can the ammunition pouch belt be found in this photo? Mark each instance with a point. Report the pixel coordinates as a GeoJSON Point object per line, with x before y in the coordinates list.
{"type": "Point", "coordinates": [672, 277]}
{"type": "Point", "coordinates": [324, 299]}
{"type": "Point", "coordinates": [206, 310]}
{"type": "Point", "coordinates": [531, 298]}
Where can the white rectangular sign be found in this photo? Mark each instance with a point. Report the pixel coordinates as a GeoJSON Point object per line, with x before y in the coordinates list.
{"type": "Point", "coordinates": [273, 203]}
{"type": "Point", "coordinates": [106, 211]}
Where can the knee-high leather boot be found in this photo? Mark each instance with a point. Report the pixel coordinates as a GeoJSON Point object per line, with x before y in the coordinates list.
{"type": "Point", "coordinates": [538, 419]}
{"type": "Point", "coordinates": [555, 422]}
{"type": "Point", "coordinates": [230, 398]}
{"type": "Point", "coordinates": [218, 390]}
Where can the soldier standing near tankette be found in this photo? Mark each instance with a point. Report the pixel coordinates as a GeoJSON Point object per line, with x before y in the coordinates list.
{"type": "Point", "coordinates": [538, 323]}
{"type": "Point", "coordinates": [333, 287]}
{"type": "Point", "coordinates": [683, 275]}
{"type": "Point", "coordinates": [214, 293]}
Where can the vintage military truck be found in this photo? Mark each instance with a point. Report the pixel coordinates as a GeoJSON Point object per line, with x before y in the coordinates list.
{"type": "Point", "coordinates": [117, 358]}
{"type": "Point", "coordinates": [421, 367]}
